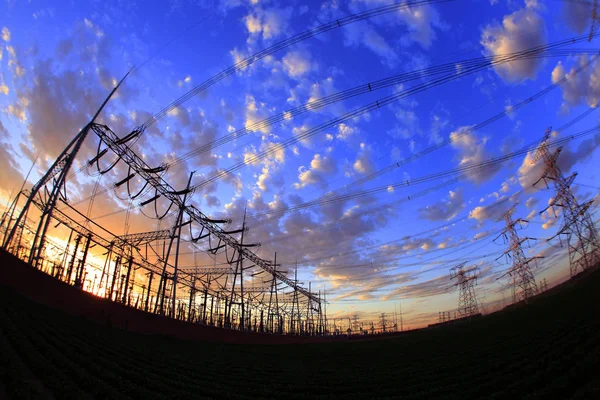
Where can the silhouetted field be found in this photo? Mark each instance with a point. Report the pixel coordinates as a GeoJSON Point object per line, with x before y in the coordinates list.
{"type": "Point", "coordinates": [549, 348]}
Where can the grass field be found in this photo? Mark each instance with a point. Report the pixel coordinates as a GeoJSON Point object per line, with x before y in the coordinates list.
{"type": "Point", "coordinates": [548, 349]}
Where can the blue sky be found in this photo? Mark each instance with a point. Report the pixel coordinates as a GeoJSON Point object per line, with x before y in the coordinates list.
{"type": "Point", "coordinates": [58, 61]}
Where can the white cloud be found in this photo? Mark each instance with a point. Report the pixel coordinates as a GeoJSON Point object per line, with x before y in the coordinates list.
{"type": "Point", "coordinates": [255, 113]}
{"type": "Point", "coordinates": [298, 131]}
{"type": "Point", "coordinates": [530, 172]}
{"type": "Point", "coordinates": [519, 31]}
{"type": "Point", "coordinates": [581, 87]}
{"type": "Point", "coordinates": [364, 34]}
{"type": "Point", "coordinates": [532, 201]}
{"type": "Point", "coordinates": [13, 62]}
{"type": "Point", "coordinates": [550, 223]}
{"type": "Point", "coordinates": [489, 213]}
{"type": "Point", "coordinates": [263, 178]}
{"type": "Point", "coordinates": [5, 34]}
{"type": "Point", "coordinates": [320, 168]}
{"type": "Point", "coordinates": [297, 63]}
{"type": "Point", "coordinates": [471, 150]}
{"type": "Point", "coordinates": [445, 210]}
{"type": "Point", "coordinates": [480, 235]}
{"type": "Point", "coordinates": [345, 131]}
{"type": "Point", "coordinates": [420, 23]}
{"type": "Point", "coordinates": [268, 23]}
{"type": "Point", "coordinates": [3, 88]}
{"type": "Point", "coordinates": [364, 164]}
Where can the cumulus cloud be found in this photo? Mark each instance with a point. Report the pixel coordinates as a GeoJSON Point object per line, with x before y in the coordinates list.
{"type": "Point", "coordinates": [519, 31]}
{"type": "Point", "coordinates": [549, 223]}
{"type": "Point", "coordinates": [320, 168]}
{"type": "Point", "coordinates": [481, 235]}
{"type": "Point", "coordinates": [6, 34]}
{"type": "Point", "coordinates": [255, 112]}
{"type": "Point", "coordinates": [3, 88]}
{"type": "Point", "coordinates": [13, 62]}
{"type": "Point", "coordinates": [581, 87]}
{"type": "Point", "coordinates": [471, 150]}
{"type": "Point", "coordinates": [531, 202]}
{"type": "Point", "coordinates": [569, 157]}
{"type": "Point", "coordinates": [445, 210]}
{"type": "Point", "coordinates": [489, 213]}
{"type": "Point", "coordinates": [267, 23]}
{"type": "Point", "coordinates": [345, 131]}
{"type": "Point", "coordinates": [364, 163]}
{"type": "Point", "coordinates": [529, 172]}
{"type": "Point", "coordinates": [297, 63]}
{"type": "Point", "coordinates": [421, 24]}
{"type": "Point", "coordinates": [365, 34]}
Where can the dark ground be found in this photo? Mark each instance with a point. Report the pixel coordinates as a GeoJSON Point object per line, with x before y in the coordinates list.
{"type": "Point", "coordinates": [549, 348]}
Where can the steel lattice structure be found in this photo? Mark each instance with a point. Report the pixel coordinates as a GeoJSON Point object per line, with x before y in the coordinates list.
{"type": "Point", "coordinates": [577, 225]}
{"type": "Point", "coordinates": [595, 20]}
{"type": "Point", "coordinates": [211, 295]}
{"type": "Point", "coordinates": [520, 272]}
{"type": "Point", "coordinates": [466, 281]}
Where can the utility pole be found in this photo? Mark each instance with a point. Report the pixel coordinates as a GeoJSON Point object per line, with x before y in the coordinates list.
{"type": "Point", "coordinates": [578, 226]}
{"type": "Point", "coordinates": [401, 323]}
{"type": "Point", "coordinates": [466, 281]}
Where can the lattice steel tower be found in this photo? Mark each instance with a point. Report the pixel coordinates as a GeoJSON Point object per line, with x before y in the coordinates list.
{"type": "Point", "coordinates": [578, 226]}
{"type": "Point", "coordinates": [595, 20]}
{"type": "Point", "coordinates": [466, 281]}
{"type": "Point", "coordinates": [520, 271]}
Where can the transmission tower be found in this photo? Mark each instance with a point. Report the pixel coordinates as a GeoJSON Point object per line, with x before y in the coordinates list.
{"type": "Point", "coordinates": [521, 274]}
{"type": "Point", "coordinates": [578, 226]}
{"type": "Point", "coordinates": [466, 281]}
{"type": "Point", "coordinates": [595, 20]}
{"type": "Point", "coordinates": [382, 322]}
{"type": "Point", "coordinates": [49, 189]}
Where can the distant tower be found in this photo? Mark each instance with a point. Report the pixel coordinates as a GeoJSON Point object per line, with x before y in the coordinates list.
{"type": "Point", "coordinates": [382, 322]}
{"type": "Point", "coordinates": [521, 274]}
{"type": "Point", "coordinates": [466, 281]}
{"type": "Point", "coordinates": [578, 226]}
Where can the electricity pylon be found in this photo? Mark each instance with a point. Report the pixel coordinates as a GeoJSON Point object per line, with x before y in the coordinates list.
{"type": "Point", "coordinates": [49, 188]}
{"type": "Point", "coordinates": [595, 20]}
{"type": "Point", "coordinates": [578, 226]}
{"type": "Point", "coordinates": [466, 281]}
{"type": "Point", "coordinates": [521, 274]}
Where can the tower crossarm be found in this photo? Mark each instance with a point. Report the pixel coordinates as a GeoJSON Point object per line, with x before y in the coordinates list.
{"type": "Point", "coordinates": [140, 167]}
{"type": "Point", "coordinates": [542, 150]}
{"type": "Point", "coordinates": [207, 270]}
{"type": "Point", "coordinates": [185, 278]}
{"type": "Point", "coordinates": [551, 170]}
{"type": "Point", "coordinates": [137, 239]}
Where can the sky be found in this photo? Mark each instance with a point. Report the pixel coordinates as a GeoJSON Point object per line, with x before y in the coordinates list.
{"type": "Point", "coordinates": [354, 199]}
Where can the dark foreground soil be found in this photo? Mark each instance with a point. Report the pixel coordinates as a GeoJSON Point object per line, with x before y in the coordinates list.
{"type": "Point", "coordinates": [549, 348]}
